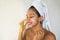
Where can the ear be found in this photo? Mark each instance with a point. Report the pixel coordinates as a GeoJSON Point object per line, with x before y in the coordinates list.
{"type": "Point", "coordinates": [40, 18]}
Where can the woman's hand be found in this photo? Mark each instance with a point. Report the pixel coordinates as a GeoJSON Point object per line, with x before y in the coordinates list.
{"type": "Point", "coordinates": [39, 35]}
{"type": "Point", "coordinates": [22, 24]}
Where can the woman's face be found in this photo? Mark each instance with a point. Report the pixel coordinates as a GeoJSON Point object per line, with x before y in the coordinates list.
{"type": "Point", "coordinates": [32, 18]}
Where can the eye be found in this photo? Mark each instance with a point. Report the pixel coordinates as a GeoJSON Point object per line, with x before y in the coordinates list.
{"type": "Point", "coordinates": [32, 16]}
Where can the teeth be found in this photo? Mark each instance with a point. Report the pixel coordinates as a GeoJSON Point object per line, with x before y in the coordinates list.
{"type": "Point", "coordinates": [29, 23]}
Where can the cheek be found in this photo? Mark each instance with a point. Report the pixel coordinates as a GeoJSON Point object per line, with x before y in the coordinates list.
{"type": "Point", "coordinates": [34, 20]}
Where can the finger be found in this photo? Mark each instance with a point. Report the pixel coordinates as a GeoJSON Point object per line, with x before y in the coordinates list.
{"type": "Point", "coordinates": [39, 32]}
{"type": "Point", "coordinates": [22, 21]}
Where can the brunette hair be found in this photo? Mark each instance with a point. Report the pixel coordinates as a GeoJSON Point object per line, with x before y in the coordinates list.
{"type": "Point", "coordinates": [34, 9]}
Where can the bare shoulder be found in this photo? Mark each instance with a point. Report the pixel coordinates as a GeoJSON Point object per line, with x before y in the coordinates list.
{"type": "Point", "coordinates": [50, 36]}
{"type": "Point", "coordinates": [26, 34]}
{"type": "Point", "coordinates": [27, 31]}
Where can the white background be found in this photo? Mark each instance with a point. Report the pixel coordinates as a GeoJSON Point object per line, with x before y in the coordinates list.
{"type": "Point", "coordinates": [13, 11]}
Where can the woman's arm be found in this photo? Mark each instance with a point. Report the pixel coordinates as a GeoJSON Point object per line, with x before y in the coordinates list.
{"type": "Point", "coordinates": [20, 36]}
{"type": "Point", "coordinates": [22, 28]}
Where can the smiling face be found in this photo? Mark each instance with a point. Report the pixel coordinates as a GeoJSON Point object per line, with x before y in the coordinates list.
{"type": "Point", "coordinates": [32, 18]}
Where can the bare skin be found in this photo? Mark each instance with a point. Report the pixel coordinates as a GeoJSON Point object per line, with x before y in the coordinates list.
{"type": "Point", "coordinates": [35, 30]}
{"type": "Point", "coordinates": [38, 33]}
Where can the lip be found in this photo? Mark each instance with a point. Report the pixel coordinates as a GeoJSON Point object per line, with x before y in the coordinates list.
{"type": "Point", "coordinates": [29, 23]}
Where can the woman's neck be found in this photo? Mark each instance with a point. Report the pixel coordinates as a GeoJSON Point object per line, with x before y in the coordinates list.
{"type": "Point", "coordinates": [37, 28]}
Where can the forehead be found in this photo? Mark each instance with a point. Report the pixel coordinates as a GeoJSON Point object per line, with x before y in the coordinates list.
{"type": "Point", "coordinates": [31, 12]}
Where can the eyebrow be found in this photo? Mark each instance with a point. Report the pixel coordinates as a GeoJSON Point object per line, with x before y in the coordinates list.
{"type": "Point", "coordinates": [30, 14]}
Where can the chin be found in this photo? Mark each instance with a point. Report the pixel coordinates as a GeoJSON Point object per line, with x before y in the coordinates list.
{"type": "Point", "coordinates": [30, 26]}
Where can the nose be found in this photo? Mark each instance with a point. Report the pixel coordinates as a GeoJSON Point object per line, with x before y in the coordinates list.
{"type": "Point", "coordinates": [28, 20]}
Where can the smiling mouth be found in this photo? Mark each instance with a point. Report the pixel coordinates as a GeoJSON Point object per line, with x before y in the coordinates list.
{"type": "Point", "coordinates": [29, 23]}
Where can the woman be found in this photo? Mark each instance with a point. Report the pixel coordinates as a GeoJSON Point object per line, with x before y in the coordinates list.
{"type": "Point", "coordinates": [35, 30]}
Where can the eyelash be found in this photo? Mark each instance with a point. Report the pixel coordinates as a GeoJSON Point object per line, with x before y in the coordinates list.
{"type": "Point", "coordinates": [31, 16]}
